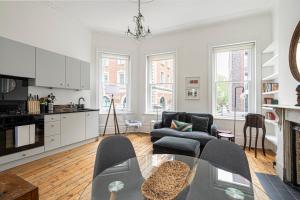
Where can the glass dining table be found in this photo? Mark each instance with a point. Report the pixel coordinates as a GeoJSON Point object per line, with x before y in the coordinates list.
{"type": "Point", "coordinates": [123, 181]}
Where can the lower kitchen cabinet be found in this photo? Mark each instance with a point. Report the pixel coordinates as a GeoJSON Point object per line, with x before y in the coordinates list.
{"type": "Point", "coordinates": [91, 124]}
{"type": "Point", "coordinates": [52, 142]}
{"type": "Point", "coordinates": [72, 128]}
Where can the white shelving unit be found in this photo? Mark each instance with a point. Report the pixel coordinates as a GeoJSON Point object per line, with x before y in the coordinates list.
{"type": "Point", "coordinates": [271, 62]}
{"type": "Point", "coordinates": [269, 75]}
{"type": "Point", "coordinates": [270, 93]}
{"type": "Point", "coordinates": [271, 48]}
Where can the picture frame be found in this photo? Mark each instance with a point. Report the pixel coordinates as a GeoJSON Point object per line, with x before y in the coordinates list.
{"type": "Point", "coordinates": [192, 94]}
{"type": "Point", "coordinates": [192, 88]}
{"type": "Point", "coordinates": [192, 82]}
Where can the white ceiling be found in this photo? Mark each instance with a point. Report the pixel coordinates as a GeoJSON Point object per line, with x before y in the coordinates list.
{"type": "Point", "coordinates": [160, 15]}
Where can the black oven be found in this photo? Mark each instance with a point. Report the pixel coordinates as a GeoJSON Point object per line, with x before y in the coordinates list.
{"type": "Point", "coordinates": [20, 132]}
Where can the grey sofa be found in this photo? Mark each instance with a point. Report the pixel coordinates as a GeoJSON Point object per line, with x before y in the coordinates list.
{"type": "Point", "coordinates": [162, 128]}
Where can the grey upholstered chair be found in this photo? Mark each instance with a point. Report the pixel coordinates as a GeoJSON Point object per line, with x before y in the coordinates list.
{"type": "Point", "coordinates": [111, 151]}
{"type": "Point", "coordinates": [228, 156]}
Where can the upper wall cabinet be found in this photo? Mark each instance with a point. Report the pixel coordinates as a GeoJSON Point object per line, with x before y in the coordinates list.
{"type": "Point", "coordinates": [73, 73]}
{"type": "Point", "coordinates": [50, 69]}
{"type": "Point", "coordinates": [85, 76]}
{"type": "Point", "coordinates": [16, 59]}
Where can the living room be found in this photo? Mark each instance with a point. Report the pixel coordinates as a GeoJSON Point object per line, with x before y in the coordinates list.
{"type": "Point", "coordinates": [195, 73]}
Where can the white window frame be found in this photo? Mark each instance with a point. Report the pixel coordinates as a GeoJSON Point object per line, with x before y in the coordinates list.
{"type": "Point", "coordinates": [100, 81]}
{"type": "Point", "coordinates": [118, 77]}
{"type": "Point", "coordinates": [150, 110]}
{"type": "Point", "coordinates": [106, 74]}
{"type": "Point", "coordinates": [251, 81]}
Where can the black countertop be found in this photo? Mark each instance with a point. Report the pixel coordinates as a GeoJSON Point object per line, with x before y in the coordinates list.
{"type": "Point", "coordinates": [47, 113]}
{"type": "Point", "coordinates": [69, 111]}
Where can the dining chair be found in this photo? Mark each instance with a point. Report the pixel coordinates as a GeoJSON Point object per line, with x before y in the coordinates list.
{"type": "Point", "coordinates": [111, 151]}
{"type": "Point", "coordinates": [256, 121]}
{"type": "Point", "coordinates": [228, 156]}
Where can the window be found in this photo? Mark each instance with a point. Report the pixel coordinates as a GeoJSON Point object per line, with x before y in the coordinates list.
{"type": "Point", "coordinates": [121, 77]}
{"type": "Point", "coordinates": [161, 91]}
{"type": "Point", "coordinates": [113, 76]}
{"type": "Point", "coordinates": [162, 77]}
{"type": "Point", "coordinates": [106, 77]}
{"type": "Point", "coordinates": [232, 71]}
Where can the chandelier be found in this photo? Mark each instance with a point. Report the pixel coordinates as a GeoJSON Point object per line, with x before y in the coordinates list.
{"type": "Point", "coordinates": [139, 30]}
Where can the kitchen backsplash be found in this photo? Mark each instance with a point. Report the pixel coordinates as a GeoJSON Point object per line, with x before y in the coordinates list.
{"type": "Point", "coordinates": [63, 96]}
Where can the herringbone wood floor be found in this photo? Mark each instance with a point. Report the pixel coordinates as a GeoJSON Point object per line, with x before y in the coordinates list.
{"type": "Point", "coordinates": [65, 175]}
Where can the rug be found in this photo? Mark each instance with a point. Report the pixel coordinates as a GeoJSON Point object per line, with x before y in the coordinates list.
{"type": "Point", "coordinates": [277, 189]}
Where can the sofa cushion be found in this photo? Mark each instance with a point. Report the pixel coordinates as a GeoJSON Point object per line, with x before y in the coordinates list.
{"type": "Point", "coordinates": [175, 145]}
{"type": "Point", "coordinates": [188, 118]}
{"type": "Point", "coordinates": [167, 118]}
{"type": "Point", "coordinates": [200, 123]}
{"type": "Point", "coordinates": [202, 137]}
{"type": "Point", "coordinates": [181, 126]}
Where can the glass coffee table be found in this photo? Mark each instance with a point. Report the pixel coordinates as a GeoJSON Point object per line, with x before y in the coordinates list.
{"type": "Point", "coordinates": [123, 181]}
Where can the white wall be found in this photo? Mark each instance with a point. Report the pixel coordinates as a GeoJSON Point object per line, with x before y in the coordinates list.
{"type": "Point", "coordinates": [35, 24]}
{"type": "Point", "coordinates": [286, 17]}
{"type": "Point", "coordinates": [193, 59]}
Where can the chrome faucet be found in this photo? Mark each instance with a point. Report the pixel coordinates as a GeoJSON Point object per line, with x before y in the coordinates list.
{"type": "Point", "coordinates": [79, 100]}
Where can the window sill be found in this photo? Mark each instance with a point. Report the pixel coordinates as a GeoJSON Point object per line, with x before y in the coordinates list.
{"type": "Point", "coordinates": [118, 113]}
{"type": "Point", "coordinates": [151, 113]}
{"type": "Point", "coordinates": [229, 118]}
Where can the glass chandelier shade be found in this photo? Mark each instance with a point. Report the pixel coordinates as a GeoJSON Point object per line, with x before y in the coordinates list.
{"type": "Point", "coordinates": [139, 30]}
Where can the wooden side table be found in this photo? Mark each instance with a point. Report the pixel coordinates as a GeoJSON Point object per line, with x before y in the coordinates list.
{"type": "Point", "coordinates": [12, 187]}
{"type": "Point", "coordinates": [226, 134]}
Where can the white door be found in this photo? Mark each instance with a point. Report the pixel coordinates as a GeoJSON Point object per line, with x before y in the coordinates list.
{"type": "Point", "coordinates": [72, 128]}
{"type": "Point", "coordinates": [50, 69]}
{"type": "Point", "coordinates": [91, 124]}
{"type": "Point", "coordinates": [85, 76]}
{"type": "Point", "coordinates": [72, 73]}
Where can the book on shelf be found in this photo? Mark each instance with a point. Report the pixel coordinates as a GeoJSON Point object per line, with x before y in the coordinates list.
{"type": "Point", "coordinates": [270, 116]}
{"type": "Point", "coordinates": [268, 100]}
{"type": "Point", "coordinates": [269, 87]}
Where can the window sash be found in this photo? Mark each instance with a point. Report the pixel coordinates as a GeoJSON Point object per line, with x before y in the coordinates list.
{"type": "Point", "coordinates": [104, 84]}
{"type": "Point", "coordinates": [167, 81]}
{"type": "Point", "coordinates": [251, 70]}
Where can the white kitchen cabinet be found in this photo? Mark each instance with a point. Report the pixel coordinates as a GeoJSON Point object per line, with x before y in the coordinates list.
{"type": "Point", "coordinates": [73, 70]}
{"type": "Point", "coordinates": [85, 75]}
{"type": "Point", "coordinates": [91, 124]}
{"type": "Point", "coordinates": [50, 69]}
{"type": "Point", "coordinates": [52, 142]}
{"type": "Point", "coordinates": [72, 128]}
{"type": "Point", "coordinates": [16, 59]}
{"type": "Point", "coordinates": [52, 128]}
{"type": "Point", "coordinates": [21, 155]}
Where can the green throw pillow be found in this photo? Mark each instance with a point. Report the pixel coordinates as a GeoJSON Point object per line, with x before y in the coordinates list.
{"type": "Point", "coordinates": [181, 126]}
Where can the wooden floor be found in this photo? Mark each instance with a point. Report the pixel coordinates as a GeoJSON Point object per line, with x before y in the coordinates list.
{"type": "Point", "coordinates": [65, 175]}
